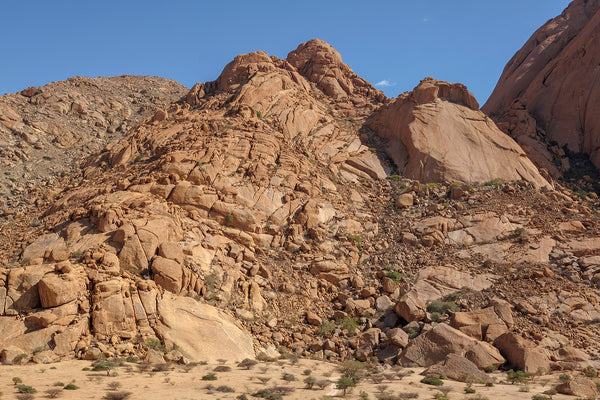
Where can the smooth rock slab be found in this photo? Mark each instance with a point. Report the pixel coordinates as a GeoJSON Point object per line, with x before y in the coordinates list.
{"type": "Point", "coordinates": [202, 332]}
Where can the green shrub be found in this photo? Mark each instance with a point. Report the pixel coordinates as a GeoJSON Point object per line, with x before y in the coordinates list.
{"type": "Point", "coordinates": [267, 394]}
{"type": "Point", "coordinates": [247, 363]}
{"type": "Point", "coordinates": [155, 344]}
{"type": "Point", "coordinates": [432, 380]}
{"type": "Point", "coordinates": [345, 383]}
{"type": "Point", "coordinates": [350, 324]}
{"type": "Point", "coordinates": [103, 365]}
{"type": "Point", "coordinates": [209, 377]}
{"type": "Point", "coordinates": [517, 376]}
{"type": "Point", "coordinates": [352, 369]}
{"type": "Point", "coordinates": [540, 397]}
{"type": "Point", "coordinates": [442, 307]}
{"type": "Point", "coordinates": [326, 327]}
{"type": "Point", "coordinates": [25, 389]}
{"type": "Point", "coordinates": [590, 372]}
{"type": "Point", "coordinates": [20, 358]}
{"type": "Point", "coordinates": [395, 276]}
{"type": "Point", "coordinates": [288, 377]}
{"type": "Point", "coordinates": [71, 386]}
{"type": "Point", "coordinates": [225, 389]}
{"type": "Point", "coordinates": [229, 218]}
{"type": "Point", "coordinates": [310, 382]}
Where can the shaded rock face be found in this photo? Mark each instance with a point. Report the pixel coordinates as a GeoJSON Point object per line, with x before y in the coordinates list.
{"type": "Point", "coordinates": [436, 133]}
{"type": "Point", "coordinates": [549, 91]}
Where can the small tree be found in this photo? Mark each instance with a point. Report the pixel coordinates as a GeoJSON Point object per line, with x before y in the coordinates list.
{"type": "Point", "coordinates": [310, 382]}
{"type": "Point", "coordinates": [345, 383]}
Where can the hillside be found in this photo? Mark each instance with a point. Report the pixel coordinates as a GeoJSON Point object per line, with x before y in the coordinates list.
{"type": "Point", "coordinates": [290, 207]}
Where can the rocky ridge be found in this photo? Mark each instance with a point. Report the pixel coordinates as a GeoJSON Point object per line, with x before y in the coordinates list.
{"type": "Point", "coordinates": [262, 199]}
{"type": "Point", "coordinates": [45, 132]}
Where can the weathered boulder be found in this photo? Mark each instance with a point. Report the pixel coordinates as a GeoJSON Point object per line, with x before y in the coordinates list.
{"type": "Point", "coordinates": [436, 133]}
{"type": "Point", "coordinates": [168, 274]}
{"type": "Point", "coordinates": [458, 368]}
{"type": "Point", "coordinates": [579, 386]}
{"type": "Point", "coordinates": [522, 354]}
{"type": "Point", "coordinates": [482, 324]}
{"type": "Point", "coordinates": [434, 345]}
{"type": "Point", "coordinates": [411, 307]}
{"type": "Point", "coordinates": [55, 290]}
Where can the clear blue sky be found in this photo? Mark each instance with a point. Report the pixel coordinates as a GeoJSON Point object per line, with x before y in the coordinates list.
{"type": "Point", "coordinates": [397, 41]}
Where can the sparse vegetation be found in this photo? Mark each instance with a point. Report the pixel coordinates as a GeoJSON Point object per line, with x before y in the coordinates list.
{"type": "Point", "coordinates": [345, 383]}
{"type": "Point", "coordinates": [326, 327]}
{"type": "Point", "coordinates": [432, 380]}
{"type": "Point", "coordinates": [122, 395]}
{"type": "Point", "coordinates": [395, 276]}
{"type": "Point", "coordinates": [155, 344]}
{"type": "Point", "coordinates": [71, 386]}
{"type": "Point", "coordinates": [25, 389]}
{"type": "Point", "coordinates": [517, 376]}
{"type": "Point", "coordinates": [209, 377]}
{"type": "Point", "coordinates": [350, 324]}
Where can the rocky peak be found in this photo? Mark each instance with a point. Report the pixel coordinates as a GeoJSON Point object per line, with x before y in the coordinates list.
{"type": "Point", "coordinates": [431, 89]}
{"type": "Point", "coordinates": [320, 63]}
{"type": "Point", "coordinates": [243, 67]}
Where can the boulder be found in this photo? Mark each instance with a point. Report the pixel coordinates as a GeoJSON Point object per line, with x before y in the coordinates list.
{"type": "Point", "coordinates": [411, 307]}
{"type": "Point", "coordinates": [458, 368]}
{"type": "Point", "coordinates": [8, 354]}
{"type": "Point", "coordinates": [434, 345]}
{"type": "Point", "coordinates": [482, 324]}
{"type": "Point", "coordinates": [522, 354]}
{"type": "Point", "coordinates": [55, 290]}
{"type": "Point", "coordinates": [397, 337]}
{"type": "Point", "coordinates": [579, 386]}
{"type": "Point", "coordinates": [168, 274]}
{"type": "Point", "coordinates": [436, 133]}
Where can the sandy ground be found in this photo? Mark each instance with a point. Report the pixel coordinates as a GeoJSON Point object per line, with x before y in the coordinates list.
{"type": "Point", "coordinates": [177, 383]}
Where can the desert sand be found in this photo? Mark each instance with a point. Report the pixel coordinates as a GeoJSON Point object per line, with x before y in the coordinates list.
{"type": "Point", "coordinates": [177, 383]}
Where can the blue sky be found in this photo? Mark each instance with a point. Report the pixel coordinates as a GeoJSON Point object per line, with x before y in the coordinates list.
{"type": "Point", "coordinates": [394, 42]}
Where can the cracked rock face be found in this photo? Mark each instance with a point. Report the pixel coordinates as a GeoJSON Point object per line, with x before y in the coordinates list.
{"type": "Point", "coordinates": [437, 133]}
{"type": "Point", "coordinates": [550, 89]}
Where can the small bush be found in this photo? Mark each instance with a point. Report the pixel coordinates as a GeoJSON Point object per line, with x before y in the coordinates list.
{"type": "Point", "coordinates": [590, 372]}
{"type": "Point", "coordinates": [209, 377]}
{"type": "Point", "coordinates": [25, 389]}
{"type": "Point", "coordinates": [326, 327]}
{"type": "Point", "coordinates": [395, 276]}
{"type": "Point", "coordinates": [442, 307]}
{"type": "Point", "coordinates": [116, 395]}
{"type": "Point", "coordinates": [540, 397]}
{"type": "Point", "coordinates": [25, 396]}
{"type": "Point", "coordinates": [408, 395]}
{"type": "Point", "coordinates": [155, 344]}
{"type": "Point", "coordinates": [16, 380]}
{"type": "Point", "coordinates": [225, 389]}
{"type": "Point", "coordinates": [53, 393]}
{"type": "Point", "coordinates": [229, 218]}
{"type": "Point", "coordinates": [222, 368]}
{"type": "Point", "coordinates": [350, 324]}
{"type": "Point", "coordinates": [469, 390]}
{"type": "Point", "coordinates": [310, 382]}
{"type": "Point", "coordinates": [71, 386]}
{"type": "Point", "coordinates": [114, 385]}
{"type": "Point", "coordinates": [517, 376]}
{"type": "Point", "coordinates": [288, 377]}
{"type": "Point", "coordinates": [432, 380]}
{"type": "Point", "coordinates": [20, 358]}
{"type": "Point", "coordinates": [268, 394]}
{"type": "Point", "coordinates": [103, 365]}
{"type": "Point", "coordinates": [564, 377]}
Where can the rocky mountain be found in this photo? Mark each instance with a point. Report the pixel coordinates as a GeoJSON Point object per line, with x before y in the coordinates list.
{"type": "Point", "coordinates": [264, 214]}
{"type": "Point", "coordinates": [548, 94]}
{"type": "Point", "coordinates": [47, 131]}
